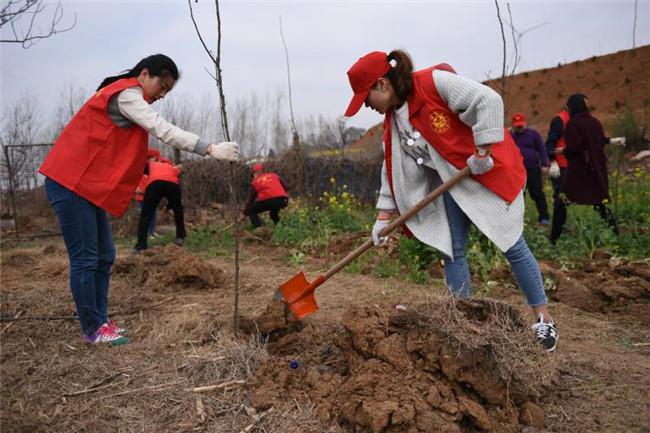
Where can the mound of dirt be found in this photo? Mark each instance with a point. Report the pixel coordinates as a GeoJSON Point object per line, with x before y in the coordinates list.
{"type": "Point", "coordinates": [169, 266]}
{"type": "Point", "coordinates": [604, 285]}
{"type": "Point", "coordinates": [444, 366]}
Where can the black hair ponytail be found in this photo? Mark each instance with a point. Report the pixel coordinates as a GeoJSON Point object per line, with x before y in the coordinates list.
{"type": "Point", "coordinates": [401, 75]}
{"type": "Point", "coordinates": [158, 65]}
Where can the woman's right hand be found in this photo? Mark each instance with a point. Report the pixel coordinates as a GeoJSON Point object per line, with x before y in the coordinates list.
{"type": "Point", "coordinates": [380, 224]}
{"type": "Point", "coordinates": [227, 151]}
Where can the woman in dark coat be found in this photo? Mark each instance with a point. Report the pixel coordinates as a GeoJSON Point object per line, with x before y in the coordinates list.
{"type": "Point", "coordinates": [586, 176]}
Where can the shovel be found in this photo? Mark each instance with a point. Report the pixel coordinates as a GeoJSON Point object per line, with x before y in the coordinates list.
{"type": "Point", "coordinates": [298, 293]}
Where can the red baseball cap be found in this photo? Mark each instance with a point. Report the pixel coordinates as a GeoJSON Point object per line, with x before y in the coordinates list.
{"type": "Point", "coordinates": [518, 119]}
{"type": "Point", "coordinates": [258, 167]}
{"type": "Point", "coordinates": [363, 75]}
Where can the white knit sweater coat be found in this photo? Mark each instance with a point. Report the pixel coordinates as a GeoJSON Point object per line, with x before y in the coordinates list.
{"type": "Point", "coordinates": [417, 169]}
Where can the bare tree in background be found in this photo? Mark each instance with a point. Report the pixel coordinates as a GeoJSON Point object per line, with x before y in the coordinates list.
{"type": "Point", "coordinates": [179, 111]}
{"type": "Point", "coordinates": [70, 100]}
{"type": "Point", "coordinates": [19, 128]}
{"type": "Point", "coordinates": [22, 17]}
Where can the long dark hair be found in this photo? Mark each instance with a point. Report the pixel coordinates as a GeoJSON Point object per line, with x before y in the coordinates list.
{"type": "Point", "coordinates": [400, 75]}
{"type": "Point", "coordinates": [577, 103]}
{"type": "Point", "coordinates": [158, 65]}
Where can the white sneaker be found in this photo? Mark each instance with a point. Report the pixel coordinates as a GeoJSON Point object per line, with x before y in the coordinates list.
{"type": "Point", "coordinates": [546, 333]}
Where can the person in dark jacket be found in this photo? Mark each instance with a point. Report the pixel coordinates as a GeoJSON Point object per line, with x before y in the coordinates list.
{"type": "Point", "coordinates": [586, 180]}
{"type": "Point", "coordinates": [533, 151]}
{"type": "Point", "coordinates": [268, 193]}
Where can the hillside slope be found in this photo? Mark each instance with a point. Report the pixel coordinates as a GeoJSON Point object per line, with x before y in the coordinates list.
{"type": "Point", "coordinates": [612, 82]}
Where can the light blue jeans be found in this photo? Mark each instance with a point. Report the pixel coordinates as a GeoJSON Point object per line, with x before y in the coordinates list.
{"type": "Point", "coordinates": [87, 236]}
{"type": "Point", "coordinates": [459, 281]}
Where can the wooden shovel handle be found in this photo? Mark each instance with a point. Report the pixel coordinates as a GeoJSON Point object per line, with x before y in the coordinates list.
{"type": "Point", "coordinates": [397, 222]}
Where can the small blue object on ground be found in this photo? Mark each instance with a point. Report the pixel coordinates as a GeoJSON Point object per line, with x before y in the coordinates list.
{"type": "Point", "coordinates": [293, 364]}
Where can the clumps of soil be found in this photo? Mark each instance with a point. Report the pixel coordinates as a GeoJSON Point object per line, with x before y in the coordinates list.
{"type": "Point", "coordinates": [445, 366]}
{"type": "Point", "coordinates": [604, 285]}
{"type": "Point", "coordinates": [169, 266]}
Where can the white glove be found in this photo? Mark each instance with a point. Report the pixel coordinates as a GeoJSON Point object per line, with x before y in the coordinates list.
{"type": "Point", "coordinates": [227, 150]}
{"type": "Point", "coordinates": [480, 164]}
{"type": "Point", "coordinates": [554, 171]}
{"type": "Point", "coordinates": [618, 141]}
{"type": "Point", "coordinates": [376, 229]}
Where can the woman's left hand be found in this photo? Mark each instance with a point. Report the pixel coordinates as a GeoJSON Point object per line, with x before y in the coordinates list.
{"type": "Point", "coordinates": [480, 164]}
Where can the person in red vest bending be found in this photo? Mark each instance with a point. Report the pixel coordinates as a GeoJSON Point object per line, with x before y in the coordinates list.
{"type": "Point", "coordinates": [94, 168]}
{"type": "Point", "coordinates": [436, 123]}
{"type": "Point", "coordinates": [268, 193]}
{"type": "Point", "coordinates": [162, 182]}
{"type": "Point", "coordinates": [154, 154]}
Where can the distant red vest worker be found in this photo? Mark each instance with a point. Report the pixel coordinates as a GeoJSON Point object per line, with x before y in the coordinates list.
{"type": "Point", "coordinates": [162, 170]}
{"type": "Point", "coordinates": [454, 140]}
{"type": "Point", "coordinates": [268, 186]}
{"type": "Point", "coordinates": [561, 143]}
{"type": "Point", "coordinates": [96, 159]}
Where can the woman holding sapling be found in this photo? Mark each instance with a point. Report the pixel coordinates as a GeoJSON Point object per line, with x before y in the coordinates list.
{"type": "Point", "coordinates": [94, 168]}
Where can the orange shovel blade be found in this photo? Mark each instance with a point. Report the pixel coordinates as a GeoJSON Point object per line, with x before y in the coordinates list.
{"type": "Point", "coordinates": [298, 293]}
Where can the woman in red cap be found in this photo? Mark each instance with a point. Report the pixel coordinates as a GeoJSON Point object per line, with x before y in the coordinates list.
{"type": "Point", "coordinates": [94, 168]}
{"type": "Point", "coordinates": [436, 123]}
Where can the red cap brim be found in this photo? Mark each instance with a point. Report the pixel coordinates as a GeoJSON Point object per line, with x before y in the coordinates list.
{"type": "Point", "coordinates": [520, 123]}
{"type": "Point", "coordinates": [356, 103]}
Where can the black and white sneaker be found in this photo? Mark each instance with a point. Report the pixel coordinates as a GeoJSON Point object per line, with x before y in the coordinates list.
{"type": "Point", "coordinates": [546, 333]}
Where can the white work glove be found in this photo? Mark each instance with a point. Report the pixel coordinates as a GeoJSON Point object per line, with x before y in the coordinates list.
{"type": "Point", "coordinates": [618, 141]}
{"type": "Point", "coordinates": [554, 171]}
{"type": "Point", "coordinates": [480, 164]}
{"type": "Point", "coordinates": [227, 150]}
{"type": "Point", "coordinates": [376, 229]}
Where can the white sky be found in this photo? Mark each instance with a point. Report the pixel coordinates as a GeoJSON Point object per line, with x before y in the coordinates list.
{"type": "Point", "coordinates": [324, 39]}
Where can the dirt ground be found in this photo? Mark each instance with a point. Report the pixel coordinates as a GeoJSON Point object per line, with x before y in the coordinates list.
{"type": "Point", "coordinates": [358, 365]}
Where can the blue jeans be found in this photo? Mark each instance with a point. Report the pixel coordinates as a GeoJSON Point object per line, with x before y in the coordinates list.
{"type": "Point", "coordinates": [87, 236]}
{"type": "Point", "coordinates": [524, 265]}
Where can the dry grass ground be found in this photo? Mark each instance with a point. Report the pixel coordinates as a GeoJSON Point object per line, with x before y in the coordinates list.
{"type": "Point", "coordinates": [180, 324]}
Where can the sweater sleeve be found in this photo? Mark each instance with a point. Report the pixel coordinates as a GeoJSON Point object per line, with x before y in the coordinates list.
{"type": "Point", "coordinates": [478, 106]}
{"type": "Point", "coordinates": [136, 109]}
{"type": "Point", "coordinates": [385, 201]}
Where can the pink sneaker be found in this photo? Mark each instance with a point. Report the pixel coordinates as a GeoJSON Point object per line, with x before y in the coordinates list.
{"type": "Point", "coordinates": [105, 334]}
{"type": "Point", "coordinates": [116, 329]}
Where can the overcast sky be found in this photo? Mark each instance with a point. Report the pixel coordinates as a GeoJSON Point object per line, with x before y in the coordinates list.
{"type": "Point", "coordinates": [324, 39]}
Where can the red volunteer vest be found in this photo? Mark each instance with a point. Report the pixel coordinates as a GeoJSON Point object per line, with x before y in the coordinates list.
{"type": "Point", "coordinates": [159, 170]}
{"type": "Point", "coordinates": [97, 160]}
{"type": "Point", "coordinates": [268, 186]}
{"type": "Point", "coordinates": [561, 143]}
{"type": "Point", "coordinates": [454, 140]}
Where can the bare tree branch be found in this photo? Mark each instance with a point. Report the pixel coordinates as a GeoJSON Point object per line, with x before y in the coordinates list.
{"type": "Point", "coordinates": [294, 131]}
{"type": "Point", "coordinates": [503, 38]}
{"type": "Point", "coordinates": [14, 11]}
{"type": "Point", "coordinates": [636, 5]}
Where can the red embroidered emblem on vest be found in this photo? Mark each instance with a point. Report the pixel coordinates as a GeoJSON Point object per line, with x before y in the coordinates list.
{"type": "Point", "coordinates": [440, 121]}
